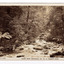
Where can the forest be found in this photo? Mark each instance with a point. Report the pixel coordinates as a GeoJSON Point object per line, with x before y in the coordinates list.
{"type": "Point", "coordinates": [31, 25]}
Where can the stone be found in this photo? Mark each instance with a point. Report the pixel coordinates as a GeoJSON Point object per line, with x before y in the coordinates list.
{"type": "Point", "coordinates": [20, 56]}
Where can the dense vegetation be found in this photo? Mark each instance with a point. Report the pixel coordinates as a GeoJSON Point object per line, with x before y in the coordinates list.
{"type": "Point", "coordinates": [56, 24]}
{"type": "Point", "coordinates": [26, 23]}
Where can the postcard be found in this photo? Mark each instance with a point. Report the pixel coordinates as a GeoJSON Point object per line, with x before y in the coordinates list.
{"type": "Point", "coordinates": [31, 32]}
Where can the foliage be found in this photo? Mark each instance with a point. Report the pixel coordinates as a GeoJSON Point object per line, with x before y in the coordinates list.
{"type": "Point", "coordinates": [56, 24]}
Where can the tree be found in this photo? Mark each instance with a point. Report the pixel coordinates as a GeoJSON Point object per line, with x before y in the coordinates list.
{"type": "Point", "coordinates": [56, 24]}
{"type": "Point", "coordinates": [7, 13]}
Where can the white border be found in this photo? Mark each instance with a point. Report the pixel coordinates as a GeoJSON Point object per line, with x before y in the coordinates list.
{"type": "Point", "coordinates": [32, 62]}
{"type": "Point", "coordinates": [31, 4]}
{"type": "Point", "coordinates": [32, 1]}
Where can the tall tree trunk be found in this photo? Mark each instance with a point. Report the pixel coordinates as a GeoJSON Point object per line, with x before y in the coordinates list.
{"type": "Point", "coordinates": [28, 10]}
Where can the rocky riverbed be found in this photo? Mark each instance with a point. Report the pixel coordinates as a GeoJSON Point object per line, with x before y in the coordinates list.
{"type": "Point", "coordinates": [38, 49]}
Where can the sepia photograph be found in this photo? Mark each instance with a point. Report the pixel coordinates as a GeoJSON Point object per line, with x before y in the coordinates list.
{"type": "Point", "coordinates": [31, 32]}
